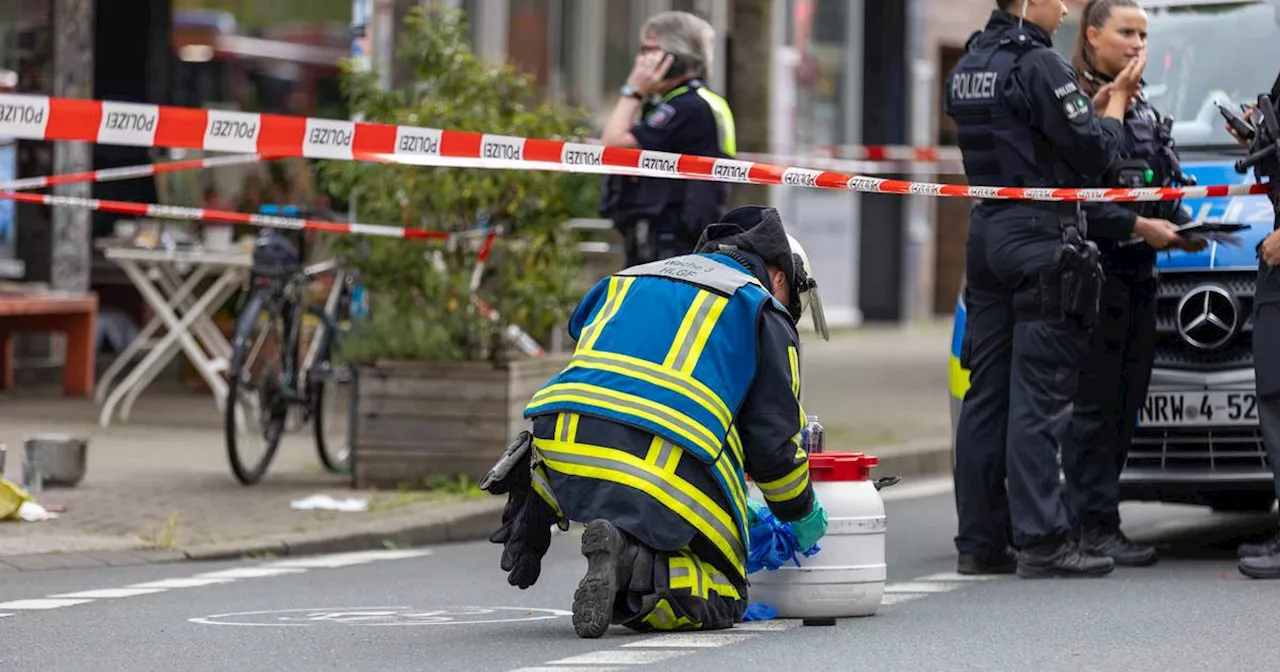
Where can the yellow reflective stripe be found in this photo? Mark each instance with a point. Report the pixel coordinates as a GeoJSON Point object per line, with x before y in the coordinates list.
{"type": "Point", "coordinates": [663, 455]}
{"type": "Point", "coordinates": [788, 487]}
{"type": "Point", "coordinates": [617, 292]}
{"type": "Point", "coordinates": [737, 498]}
{"type": "Point", "coordinates": [682, 572]}
{"type": "Point", "coordinates": [958, 378]}
{"type": "Point", "coordinates": [793, 359]}
{"type": "Point", "coordinates": [675, 381]}
{"type": "Point", "coordinates": [665, 416]}
{"type": "Point", "coordinates": [725, 125]}
{"type": "Point", "coordinates": [674, 92]}
{"type": "Point", "coordinates": [608, 464]}
{"type": "Point", "coordinates": [663, 618]}
{"type": "Point", "coordinates": [695, 328]}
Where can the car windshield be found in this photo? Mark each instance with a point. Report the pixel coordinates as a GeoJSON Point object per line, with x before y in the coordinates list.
{"type": "Point", "coordinates": [1202, 53]}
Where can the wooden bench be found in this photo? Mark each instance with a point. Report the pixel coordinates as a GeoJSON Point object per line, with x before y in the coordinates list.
{"type": "Point", "coordinates": [72, 313]}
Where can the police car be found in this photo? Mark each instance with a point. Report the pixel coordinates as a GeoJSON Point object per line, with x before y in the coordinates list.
{"type": "Point", "coordinates": [1197, 439]}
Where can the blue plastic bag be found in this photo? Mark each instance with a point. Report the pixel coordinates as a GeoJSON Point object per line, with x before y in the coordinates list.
{"type": "Point", "coordinates": [772, 542]}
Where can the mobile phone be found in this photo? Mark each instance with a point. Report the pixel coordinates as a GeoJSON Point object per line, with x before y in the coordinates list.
{"type": "Point", "coordinates": [678, 67]}
{"type": "Point", "coordinates": [1237, 123]}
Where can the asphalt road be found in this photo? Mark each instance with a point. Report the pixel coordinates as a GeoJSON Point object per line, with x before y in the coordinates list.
{"type": "Point", "coordinates": [449, 608]}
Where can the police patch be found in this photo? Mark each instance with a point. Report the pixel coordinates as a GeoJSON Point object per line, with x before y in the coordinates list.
{"type": "Point", "coordinates": [1076, 107]}
{"type": "Point", "coordinates": [660, 116]}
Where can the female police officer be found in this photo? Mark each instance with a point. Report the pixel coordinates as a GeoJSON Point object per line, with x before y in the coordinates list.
{"type": "Point", "coordinates": [1114, 379]}
{"type": "Point", "coordinates": [1022, 121]}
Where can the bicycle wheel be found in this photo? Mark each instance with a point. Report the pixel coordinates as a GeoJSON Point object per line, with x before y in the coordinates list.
{"type": "Point", "coordinates": [255, 392]}
{"type": "Point", "coordinates": [332, 397]}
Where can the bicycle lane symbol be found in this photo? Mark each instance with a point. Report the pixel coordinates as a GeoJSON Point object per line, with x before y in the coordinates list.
{"type": "Point", "coordinates": [380, 616]}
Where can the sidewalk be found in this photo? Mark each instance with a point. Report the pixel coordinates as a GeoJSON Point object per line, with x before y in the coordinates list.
{"type": "Point", "coordinates": [158, 488]}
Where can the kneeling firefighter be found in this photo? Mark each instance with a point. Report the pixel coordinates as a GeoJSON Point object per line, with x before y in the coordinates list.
{"type": "Point", "coordinates": [685, 378]}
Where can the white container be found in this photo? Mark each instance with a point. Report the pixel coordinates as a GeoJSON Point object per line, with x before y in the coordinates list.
{"type": "Point", "coordinates": [846, 577]}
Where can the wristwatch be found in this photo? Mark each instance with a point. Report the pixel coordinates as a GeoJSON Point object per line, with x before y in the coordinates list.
{"type": "Point", "coordinates": [628, 90]}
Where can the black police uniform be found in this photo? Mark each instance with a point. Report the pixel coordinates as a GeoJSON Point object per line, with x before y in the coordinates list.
{"type": "Point", "coordinates": [662, 217]}
{"type": "Point", "coordinates": [1115, 377]}
{"type": "Point", "coordinates": [1022, 122]}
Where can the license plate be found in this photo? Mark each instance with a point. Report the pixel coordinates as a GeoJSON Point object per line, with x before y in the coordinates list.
{"type": "Point", "coordinates": [1199, 408]}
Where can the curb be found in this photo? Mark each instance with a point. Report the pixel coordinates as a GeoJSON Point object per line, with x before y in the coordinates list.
{"type": "Point", "coordinates": [917, 460]}
{"type": "Point", "coordinates": [469, 522]}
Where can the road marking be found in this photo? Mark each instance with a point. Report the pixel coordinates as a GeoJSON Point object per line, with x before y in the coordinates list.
{"type": "Point", "coordinates": [380, 616]}
{"type": "Point", "coordinates": [766, 626]}
{"type": "Point", "coordinates": [40, 604]}
{"type": "Point", "coordinates": [899, 598]}
{"type": "Point", "coordinates": [617, 657]}
{"type": "Point", "coordinates": [4, 615]}
{"type": "Point", "coordinates": [705, 640]}
{"type": "Point", "coordinates": [109, 593]}
{"type": "Point", "coordinates": [920, 587]}
{"type": "Point", "coordinates": [348, 559]}
{"type": "Point", "coordinates": [559, 668]}
{"type": "Point", "coordinates": [182, 583]}
{"type": "Point", "coordinates": [250, 572]}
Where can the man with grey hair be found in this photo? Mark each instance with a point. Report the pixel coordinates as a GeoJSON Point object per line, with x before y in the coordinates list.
{"type": "Point", "coordinates": [666, 106]}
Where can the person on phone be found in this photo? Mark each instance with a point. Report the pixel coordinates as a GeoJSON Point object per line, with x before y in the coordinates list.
{"type": "Point", "coordinates": [665, 106]}
{"type": "Point", "coordinates": [1030, 281]}
{"type": "Point", "coordinates": [1117, 371]}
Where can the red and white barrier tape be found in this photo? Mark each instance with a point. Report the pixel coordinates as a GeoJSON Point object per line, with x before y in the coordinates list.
{"type": "Point", "coordinates": [268, 221]}
{"type": "Point", "coordinates": [45, 118]}
{"type": "Point", "coordinates": [527, 344]}
{"type": "Point", "coordinates": [128, 172]}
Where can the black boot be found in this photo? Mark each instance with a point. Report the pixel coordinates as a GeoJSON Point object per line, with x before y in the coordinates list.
{"type": "Point", "coordinates": [1005, 562]}
{"type": "Point", "coordinates": [1062, 560]}
{"type": "Point", "coordinates": [610, 555]}
{"type": "Point", "coordinates": [1115, 545]}
{"type": "Point", "coordinates": [1252, 550]}
{"type": "Point", "coordinates": [1261, 561]}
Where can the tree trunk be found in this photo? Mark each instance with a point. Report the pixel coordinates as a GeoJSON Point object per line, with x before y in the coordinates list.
{"type": "Point", "coordinates": [750, 63]}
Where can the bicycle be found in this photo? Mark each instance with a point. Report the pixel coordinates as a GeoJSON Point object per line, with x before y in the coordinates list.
{"type": "Point", "coordinates": [285, 381]}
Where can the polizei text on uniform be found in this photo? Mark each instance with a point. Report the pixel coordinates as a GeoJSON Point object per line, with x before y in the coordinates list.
{"type": "Point", "coordinates": [973, 85]}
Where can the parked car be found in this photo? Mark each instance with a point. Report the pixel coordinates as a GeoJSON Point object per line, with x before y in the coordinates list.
{"type": "Point", "coordinates": [1197, 439]}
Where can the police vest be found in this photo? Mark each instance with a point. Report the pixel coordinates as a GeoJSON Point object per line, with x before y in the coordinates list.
{"type": "Point", "coordinates": [669, 347]}
{"type": "Point", "coordinates": [997, 148]}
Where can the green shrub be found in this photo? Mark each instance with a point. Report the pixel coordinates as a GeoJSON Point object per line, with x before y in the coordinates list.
{"type": "Point", "coordinates": [418, 290]}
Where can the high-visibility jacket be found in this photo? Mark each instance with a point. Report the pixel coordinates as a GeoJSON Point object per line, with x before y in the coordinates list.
{"type": "Point", "coordinates": [670, 347]}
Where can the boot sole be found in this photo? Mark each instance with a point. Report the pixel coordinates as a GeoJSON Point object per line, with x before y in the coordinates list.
{"type": "Point", "coordinates": [1259, 573]}
{"type": "Point", "coordinates": [593, 600]}
{"type": "Point", "coordinates": [1136, 562]}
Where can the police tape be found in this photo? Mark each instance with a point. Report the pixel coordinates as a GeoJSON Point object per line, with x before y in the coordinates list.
{"type": "Point", "coordinates": [128, 172]}
{"type": "Point", "coordinates": [132, 124]}
{"type": "Point", "coordinates": [206, 214]}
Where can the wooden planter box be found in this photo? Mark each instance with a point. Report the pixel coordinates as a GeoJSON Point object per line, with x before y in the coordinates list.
{"type": "Point", "coordinates": [419, 419]}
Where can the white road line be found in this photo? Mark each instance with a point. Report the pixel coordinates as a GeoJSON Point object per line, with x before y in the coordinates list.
{"type": "Point", "coordinates": [766, 626]}
{"type": "Point", "coordinates": [108, 593]}
{"type": "Point", "coordinates": [618, 657]}
{"type": "Point", "coordinates": [348, 559]}
{"type": "Point", "coordinates": [181, 583]}
{"type": "Point", "coordinates": [919, 587]}
{"type": "Point", "coordinates": [898, 598]}
{"type": "Point", "coordinates": [708, 640]}
{"type": "Point", "coordinates": [560, 668]}
{"type": "Point", "coordinates": [249, 572]}
{"type": "Point", "coordinates": [956, 576]}
{"type": "Point", "coordinates": [40, 604]}
{"type": "Point", "coordinates": [4, 615]}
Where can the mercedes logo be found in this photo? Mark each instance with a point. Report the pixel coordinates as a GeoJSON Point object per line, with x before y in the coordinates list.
{"type": "Point", "coordinates": [1207, 317]}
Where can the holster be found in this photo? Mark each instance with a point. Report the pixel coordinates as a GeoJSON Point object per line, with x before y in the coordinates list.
{"type": "Point", "coordinates": [1080, 278]}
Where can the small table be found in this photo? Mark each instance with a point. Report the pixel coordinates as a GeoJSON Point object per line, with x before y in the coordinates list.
{"type": "Point", "coordinates": [185, 317]}
{"type": "Point", "coordinates": [72, 313]}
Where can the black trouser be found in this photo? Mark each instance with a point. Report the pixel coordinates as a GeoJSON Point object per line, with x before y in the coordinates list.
{"type": "Point", "coordinates": [1266, 362]}
{"type": "Point", "coordinates": [1023, 361]}
{"type": "Point", "coordinates": [1113, 385]}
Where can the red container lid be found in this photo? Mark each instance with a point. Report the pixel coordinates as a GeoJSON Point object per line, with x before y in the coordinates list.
{"type": "Point", "coordinates": [841, 466]}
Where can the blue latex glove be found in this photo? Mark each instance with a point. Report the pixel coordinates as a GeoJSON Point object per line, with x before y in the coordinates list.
{"type": "Point", "coordinates": [753, 512]}
{"type": "Point", "coordinates": [809, 530]}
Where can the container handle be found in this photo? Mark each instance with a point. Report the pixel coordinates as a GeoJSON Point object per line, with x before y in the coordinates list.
{"type": "Point", "coordinates": [882, 483]}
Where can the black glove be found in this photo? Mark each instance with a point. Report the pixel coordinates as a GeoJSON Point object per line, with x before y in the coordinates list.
{"type": "Point", "coordinates": [525, 532]}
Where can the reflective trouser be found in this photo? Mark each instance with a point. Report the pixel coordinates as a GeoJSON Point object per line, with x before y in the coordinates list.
{"type": "Point", "coordinates": [1113, 385]}
{"type": "Point", "coordinates": [1023, 361]}
{"type": "Point", "coordinates": [678, 591]}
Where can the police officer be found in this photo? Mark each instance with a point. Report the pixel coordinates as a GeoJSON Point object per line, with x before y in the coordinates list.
{"type": "Point", "coordinates": [1031, 287]}
{"type": "Point", "coordinates": [666, 106]}
{"type": "Point", "coordinates": [685, 377]}
{"type": "Point", "coordinates": [1114, 379]}
{"type": "Point", "coordinates": [1262, 560]}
